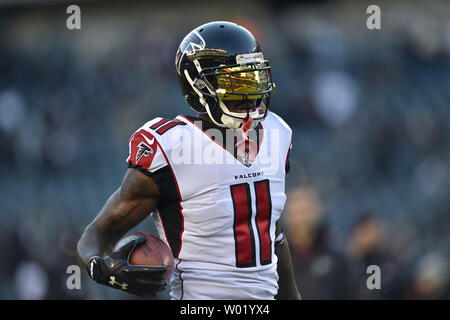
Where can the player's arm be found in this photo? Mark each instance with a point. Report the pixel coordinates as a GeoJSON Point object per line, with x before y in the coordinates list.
{"type": "Point", "coordinates": [135, 199]}
{"type": "Point", "coordinates": [286, 282]}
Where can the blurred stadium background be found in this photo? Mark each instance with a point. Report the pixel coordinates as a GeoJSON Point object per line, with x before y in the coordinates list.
{"type": "Point", "coordinates": [370, 110]}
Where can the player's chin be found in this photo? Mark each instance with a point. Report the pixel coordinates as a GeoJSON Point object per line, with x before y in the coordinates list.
{"type": "Point", "coordinates": [241, 106]}
{"type": "Point", "coordinates": [243, 111]}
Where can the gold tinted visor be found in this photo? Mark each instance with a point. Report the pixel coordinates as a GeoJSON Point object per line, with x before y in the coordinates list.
{"type": "Point", "coordinates": [239, 83]}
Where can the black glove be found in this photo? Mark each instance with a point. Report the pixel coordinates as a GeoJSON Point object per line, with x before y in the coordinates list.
{"type": "Point", "coordinates": [115, 271]}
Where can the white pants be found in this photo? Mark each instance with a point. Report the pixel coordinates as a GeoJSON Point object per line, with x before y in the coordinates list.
{"type": "Point", "coordinates": [199, 281]}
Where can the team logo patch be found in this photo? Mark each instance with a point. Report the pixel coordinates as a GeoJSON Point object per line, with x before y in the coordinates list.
{"type": "Point", "coordinates": [144, 150]}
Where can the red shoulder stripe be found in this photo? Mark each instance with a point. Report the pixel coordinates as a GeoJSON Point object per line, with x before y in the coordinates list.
{"type": "Point", "coordinates": [159, 123]}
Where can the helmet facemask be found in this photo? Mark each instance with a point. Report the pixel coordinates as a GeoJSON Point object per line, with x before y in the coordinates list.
{"type": "Point", "coordinates": [247, 84]}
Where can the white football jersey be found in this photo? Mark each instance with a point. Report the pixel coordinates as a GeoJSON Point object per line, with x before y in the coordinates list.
{"type": "Point", "coordinates": [216, 214]}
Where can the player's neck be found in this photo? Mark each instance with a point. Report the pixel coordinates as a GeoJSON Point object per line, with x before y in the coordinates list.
{"type": "Point", "coordinates": [205, 117]}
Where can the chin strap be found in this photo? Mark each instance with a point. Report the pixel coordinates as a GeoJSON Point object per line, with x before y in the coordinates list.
{"type": "Point", "coordinates": [233, 120]}
{"type": "Point", "coordinates": [246, 148]}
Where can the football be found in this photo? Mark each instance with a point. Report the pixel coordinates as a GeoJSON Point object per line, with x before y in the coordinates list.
{"type": "Point", "coordinates": [154, 252]}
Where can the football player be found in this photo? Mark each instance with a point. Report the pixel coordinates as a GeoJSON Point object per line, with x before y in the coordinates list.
{"type": "Point", "coordinates": [219, 209]}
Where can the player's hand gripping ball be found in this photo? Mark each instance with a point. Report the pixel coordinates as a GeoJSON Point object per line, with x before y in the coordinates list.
{"type": "Point", "coordinates": [153, 252]}
{"type": "Point", "coordinates": [140, 264]}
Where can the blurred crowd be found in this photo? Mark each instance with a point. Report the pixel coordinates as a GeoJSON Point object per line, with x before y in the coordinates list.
{"type": "Point", "coordinates": [370, 110]}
